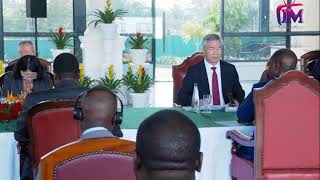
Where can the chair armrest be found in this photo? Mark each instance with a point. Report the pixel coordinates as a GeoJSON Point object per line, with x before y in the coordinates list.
{"type": "Point", "coordinates": [240, 138]}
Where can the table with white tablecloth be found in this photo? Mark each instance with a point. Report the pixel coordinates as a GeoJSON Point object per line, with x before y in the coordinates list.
{"type": "Point", "coordinates": [214, 145]}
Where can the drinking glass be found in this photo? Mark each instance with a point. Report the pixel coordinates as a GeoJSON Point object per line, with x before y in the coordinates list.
{"type": "Point", "coordinates": [207, 102]}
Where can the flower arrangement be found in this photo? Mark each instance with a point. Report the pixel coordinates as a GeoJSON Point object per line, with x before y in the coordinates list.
{"type": "Point", "coordinates": [10, 107]}
{"type": "Point", "coordinates": [85, 81]}
{"type": "Point", "coordinates": [109, 80]}
{"type": "Point", "coordinates": [139, 82]}
{"type": "Point", "coordinates": [108, 15]}
{"type": "Point", "coordinates": [60, 39]}
{"type": "Point", "coordinates": [138, 41]}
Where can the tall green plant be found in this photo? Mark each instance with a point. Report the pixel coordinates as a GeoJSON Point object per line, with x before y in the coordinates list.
{"type": "Point", "coordinates": [139, 82]}
{"type": "Point", "coordinates": [138, 41]}
{"type": "Point", "coordinates": [107, 16]}
{"type": "Point", "coordinates": [60, 39]}
{"type": "Point", "coordinates": [109, 81]}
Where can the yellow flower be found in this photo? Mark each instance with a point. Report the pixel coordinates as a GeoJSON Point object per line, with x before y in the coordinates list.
{"type": "Point", "coordinates": [81, 72]}
{"type": "Point", "coordinates": [108, 4]}
{"type": "Point", "coordinates": [129, 70]}
{"type": "Point", "coordinates": [10, 97]}
{"type": "Point", "coordinates": [111, 71]}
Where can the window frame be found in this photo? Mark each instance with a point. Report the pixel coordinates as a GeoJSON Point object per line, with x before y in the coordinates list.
{"type": "Point", "coordinates": [79, 26]}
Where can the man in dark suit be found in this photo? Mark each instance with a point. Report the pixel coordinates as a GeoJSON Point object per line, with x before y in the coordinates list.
{"type": "Point", "coordinates": [67, 87]}
{"type": "Point", "coordinates": [98, 113]}
{"type": "Point", "coordinates": [213, 76]}
{"type": "Point", "coordinates": [281, 61]}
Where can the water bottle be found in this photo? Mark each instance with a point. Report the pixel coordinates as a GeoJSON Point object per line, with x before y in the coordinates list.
{"type": "Point", "coordinates": [195, 99]}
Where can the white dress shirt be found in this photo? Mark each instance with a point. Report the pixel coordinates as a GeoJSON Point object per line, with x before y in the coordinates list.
{"type": "Point", "coordinates": [209, 75]}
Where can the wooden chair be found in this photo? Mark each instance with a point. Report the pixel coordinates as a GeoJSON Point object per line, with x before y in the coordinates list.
{"type": "Point", "coordinates": [101, 158]}
{"type": "Point", "coordinates": [179, 72]}
{"type": "Point", "coordinates": [51, 125]}
{"type": "Point", "coordinates": [46, 65]}
{"type": "Point", "coordinates": [307, 58]}
{"type": "Point", "coordinates": [287, 132]}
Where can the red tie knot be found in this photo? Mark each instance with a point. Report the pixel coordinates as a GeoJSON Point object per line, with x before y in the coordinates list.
{"type": "Point", "coordinates": [214, 68]}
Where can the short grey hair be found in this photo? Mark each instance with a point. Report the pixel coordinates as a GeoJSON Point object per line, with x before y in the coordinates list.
{"type": "Point", "coordinates": [25, 42]}
{"type": "Point", "coordinates": [211, 37]}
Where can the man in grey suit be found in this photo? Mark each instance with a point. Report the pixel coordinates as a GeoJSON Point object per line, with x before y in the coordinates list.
{"type": "Point", "coordinates": [67, 87]}
{"type": "Point", "coordinates": [97, 112]}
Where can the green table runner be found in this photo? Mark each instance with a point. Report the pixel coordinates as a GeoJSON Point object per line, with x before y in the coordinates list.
{"type": "Point", "coordinates": [134, 116]}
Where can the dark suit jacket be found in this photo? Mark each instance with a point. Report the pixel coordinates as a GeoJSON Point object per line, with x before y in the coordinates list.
{"type": "Point", "coordinates": [16, 85]}
{"type": "Point", "coordinates": [246, 109]}
{"type": "Point", "coordinates": [65, 90]}
{"type": "Point", "coordinates": [198, 74]}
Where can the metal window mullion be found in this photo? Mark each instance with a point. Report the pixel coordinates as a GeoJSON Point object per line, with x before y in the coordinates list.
{"type": "Point", "coordinates": [79, 21]}
{"type": "Point", "coordinates": [153, 46]}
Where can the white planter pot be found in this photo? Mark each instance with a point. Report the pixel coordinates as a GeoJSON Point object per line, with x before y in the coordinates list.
{"type": "Point", "coordinates": [56, 52]}
{"type": "Point", "coordinates": [140, 100]}
{"type": "Point", "coordinates": [109, 31]}
{"type": "Point", "coordinates": [139, 56]}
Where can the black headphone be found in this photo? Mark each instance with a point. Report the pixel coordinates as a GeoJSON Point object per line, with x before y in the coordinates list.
{"type": "Point", "coordinates": [77, 112]}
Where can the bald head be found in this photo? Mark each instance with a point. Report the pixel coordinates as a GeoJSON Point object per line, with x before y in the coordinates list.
{"type": "Point", "coordinates": [167, 141]}
{"type": "Point", "coordinates": [99, 107]}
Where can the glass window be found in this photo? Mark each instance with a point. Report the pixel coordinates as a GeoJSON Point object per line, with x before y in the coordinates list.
{"type": "Point", "coordinates": [303, 44]}
{"type": "Point", "coordinates": [59, 14]}
{"type": "Point", "coordinates": [251, 48]}
{"type": "Point", "coordinates": [241, 16]}
{"type": "Point", "coordinates": [14, 17]}
{"type": "Point", "coordinates": [45, 47]}
{"type": "Point", "coordinates": [11, 47]}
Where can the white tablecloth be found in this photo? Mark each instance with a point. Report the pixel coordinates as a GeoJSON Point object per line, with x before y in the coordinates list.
{"type": "Point", "coordinates": [9, 157]}
{"type": "Point", "coordinates": [214, 145]}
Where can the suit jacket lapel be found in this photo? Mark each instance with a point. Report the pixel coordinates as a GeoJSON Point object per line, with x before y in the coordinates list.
{"type": "Point", "coordinates": [223, 75]}
{"type": "Point", "coordinates": [204, 79]}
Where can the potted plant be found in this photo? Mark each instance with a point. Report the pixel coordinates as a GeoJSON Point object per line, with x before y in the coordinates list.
{"type": "Point", "coordinates": [106, 18]}
{"type": "Point", "coordinates": [138, 52]}
{"type": "Point", "coordinates": [110, 82]}
{"type": "Point", "coordinates": [138, 84]}
{"type": "Point", "coordinates": [60, 40]}
{"type": "Point", "coordinates": [85, 81]}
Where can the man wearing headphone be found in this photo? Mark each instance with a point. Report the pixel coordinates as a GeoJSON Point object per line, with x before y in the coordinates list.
{"type": "Point", "coordinates": [97, 111]}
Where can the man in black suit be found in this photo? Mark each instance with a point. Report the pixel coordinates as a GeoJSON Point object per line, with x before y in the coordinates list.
{"type": "Point", "coordinates": [213, 76]}
{"type": "Point", "coordinates": [67, 87]}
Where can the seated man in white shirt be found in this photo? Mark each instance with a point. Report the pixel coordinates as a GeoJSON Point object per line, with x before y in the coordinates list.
{"type": "Point", "coordinates": [213, 76]}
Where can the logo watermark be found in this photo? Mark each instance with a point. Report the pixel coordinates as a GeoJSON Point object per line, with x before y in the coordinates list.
{"type": "Point", "coordinates": [285, 13]}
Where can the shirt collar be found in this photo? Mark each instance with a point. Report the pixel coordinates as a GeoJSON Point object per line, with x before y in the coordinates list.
{"type": "Point", "coordinates": [94, 129]}
{"type": "Point", "coordinates": [209, 66]}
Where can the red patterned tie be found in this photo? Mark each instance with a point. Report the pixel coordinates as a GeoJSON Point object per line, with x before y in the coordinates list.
{"type": "Point", "coordinates": [215, 87]}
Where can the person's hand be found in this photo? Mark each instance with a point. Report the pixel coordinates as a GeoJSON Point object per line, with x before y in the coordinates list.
{"type": "Point", "coordinates": [235, 102]}
{"type": "Point", "coordinates": [27, 86]}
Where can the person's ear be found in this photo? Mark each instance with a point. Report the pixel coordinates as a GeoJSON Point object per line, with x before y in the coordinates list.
{"type": "Point", "coordinates": [136, 163]}
{"type": "Point", "coordinates": [199, 162]}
